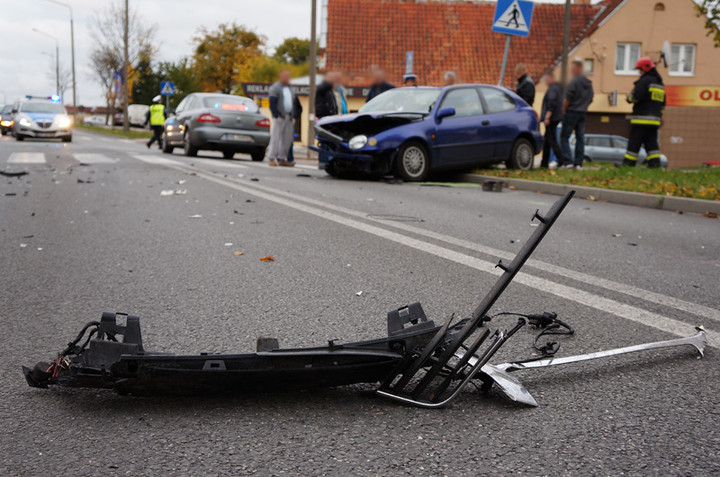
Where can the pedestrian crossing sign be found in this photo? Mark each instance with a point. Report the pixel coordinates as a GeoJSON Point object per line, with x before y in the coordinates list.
{"type": "Point", "coordinates": [513, 17]}
{"type": "Point", "coordinates": [167, 88]}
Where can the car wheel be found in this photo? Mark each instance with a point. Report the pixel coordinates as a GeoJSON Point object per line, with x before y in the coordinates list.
{"type": "Point", "coordinates": [412, 162]}
{"type": "Point", "coordinates": [4, 132]}
{"type": "Point", "coordinates": [67, 139]}
{"type": "Point", "coordinates": [190, 150]}
{"type": "Point", "coordinates": [19, 137]}
{"type": "Point", "coordinates": [228, 154]}
{"type": "Point", "coordinates": [166, 148]}
{"type": "Point", "coordinates": [587, 159]}
{"type": "Point", "coordinates": [258, 155]}
{"type": "Point", "coordinates": [522, 155]}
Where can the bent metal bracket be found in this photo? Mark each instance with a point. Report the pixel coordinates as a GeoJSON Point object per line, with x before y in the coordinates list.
{"type": "Point", "coordinates": [417, 363]}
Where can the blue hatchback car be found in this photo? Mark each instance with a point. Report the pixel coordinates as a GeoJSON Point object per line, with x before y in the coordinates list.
{"type": "Point", "coordinates": [413, 131]}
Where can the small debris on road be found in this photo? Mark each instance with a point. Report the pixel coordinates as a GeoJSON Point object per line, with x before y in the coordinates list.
{"type": "Point", "coordinates": [255, 179]}
{"type": "Point", "coordinates": [228, 244]}
{"type": "Point", "coordinates": [710, 215]}
{"type": "Point", "coordinates": [14, 174]}
{"type": "Point", "coordinates": [267, 259]}
{"type": "Point", "coordinates": [23, 245]}
{"type": "Point", "coordinates": [10, 194]}
{"type": "Point", "coordinates": [196, 216]}
{"type": "Point", "coordinates": [237, 254]}
{"type": "Point", "coordinates": [88, 181]}
{"type": "Point", "coordinates": [632, 244]}
{"type": "Point", "coordinates": [359, 293]}
{"type": "Point", "coordinates": [617, 235]}
{"type": "Point", "coordinates": [303, 175]}
{"type": "Point", "coordinates": [173, 192]}
{"type": "Point", "coordinates": [181, 181]}
{"type": "Point", "coordinates": [591, 197]}
{"type": "Point", "coordinates": [240, 174]}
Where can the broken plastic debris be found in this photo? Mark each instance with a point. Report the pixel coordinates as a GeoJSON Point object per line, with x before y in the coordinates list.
{"type": "Point", "coordinates": [23, 245]}
{"type": "Point", "coordinates": [196, 216]}
{"type": "Point", "coordinates": [228, 244]}
{"type": "Point", "coordinates": [237, 254]}
{"type": "Point", "coordinates": [181, 181]}
{"type": "Point", "coordinates": [173, 192]}
{"type": "Point", "coordinates": [241, 174]}
{"type": "Point", "coordinates": [267, 259]}
{"type": "Point", "coordinates": [617, 235]}
{"type": "Point", "coordinates": [359, 293]}
{"type": "Point", "coordinates": [13, 174]}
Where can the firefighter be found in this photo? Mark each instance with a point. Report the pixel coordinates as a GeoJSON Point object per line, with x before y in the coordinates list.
{"type": "Point", "coordinates": [648, 100]}
{"type": "Point", "coordinates": [156, 117]}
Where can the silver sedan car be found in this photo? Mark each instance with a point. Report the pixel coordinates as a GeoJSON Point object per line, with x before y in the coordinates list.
{"type": "Point", "coordinates": [218, 122]}
{"type": "Point", "coordinates": [610, 148]}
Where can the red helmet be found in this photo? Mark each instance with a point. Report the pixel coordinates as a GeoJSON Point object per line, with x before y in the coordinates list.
{"type": "Point", "coordinates": [645, 64]}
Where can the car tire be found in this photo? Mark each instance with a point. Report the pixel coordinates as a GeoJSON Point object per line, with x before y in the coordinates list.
{"type": "Point", "coordinates": [412, 162]}
{"type": "Point", "coordinates": [228, 154]}
{"type": "Point", "coordinates": [67, 139]}
{"type": "Point", "coordinates": [190, 150]}
{"type": "Point", "coordinates": [587, 159]}
{"type": "Point", "coordinates": [4, 132]}
{"type": "Point", "coordinates": [259, 155]}
{"type": "Point", "coordinates": [522, 155]}
{"type": "Point", "coordinates": [19, 137]}
{"type": "Point", "coordinates": [166, 149]}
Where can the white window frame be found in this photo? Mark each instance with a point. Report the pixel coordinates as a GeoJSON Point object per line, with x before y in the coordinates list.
{"type": "Point", "coordinates": [674, 66]}
{"type": "Point", "coordinates": [628, 67]}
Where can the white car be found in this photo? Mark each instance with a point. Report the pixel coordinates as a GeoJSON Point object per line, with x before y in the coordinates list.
{"type": "Point", "coordinates": [41, 119]}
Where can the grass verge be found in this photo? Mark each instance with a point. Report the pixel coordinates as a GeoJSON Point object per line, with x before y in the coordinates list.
{"type": "Point", "coordinates": [117, 132]}
{"type": "Point", "coordinates": [696, 183]}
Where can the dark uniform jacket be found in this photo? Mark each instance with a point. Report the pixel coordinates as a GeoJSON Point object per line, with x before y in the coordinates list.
{"type": "Point", "coordinates": [377, 89]}
{"type": "Point", "coordinates": [648, 100]}
{"type": "Point", "coordinates": [553, 102]}
{"type": "Point", "coordinates": [325, 104]}
{"type": "Point", "coordinates": [526, 89]}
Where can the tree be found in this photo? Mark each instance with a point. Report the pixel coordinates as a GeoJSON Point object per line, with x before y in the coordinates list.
{"type": "Point", "coordinates": [146, 84]}
{"type": "Point", "coordinates": [221, 54]}
{"type": "Point", "coordinates": [107, 32]}
{"type": "Point", "coordinates": [183, 74]}
{"type": "Point", "coordinates": [710, 9]}
{"type": "Point", "coordinates": [293, 50]}
{"type": "Point", "coordinates": [106, 63]}
{"type": "Point", "coordinates": [64, 77]}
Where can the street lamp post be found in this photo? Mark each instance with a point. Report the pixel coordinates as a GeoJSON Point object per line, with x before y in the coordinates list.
{"type": "Point", "coordinates": [72, 49]}
{"type": "Point", "coordinates": [313, 68]}
{"type": "Point", "coordinates": [57, 59]}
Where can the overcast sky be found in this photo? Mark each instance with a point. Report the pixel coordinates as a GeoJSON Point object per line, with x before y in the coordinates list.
{"type": "Point", "coordinates": [24, 68]}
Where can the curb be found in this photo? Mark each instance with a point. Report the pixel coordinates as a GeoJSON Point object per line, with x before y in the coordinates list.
{"type": "Point", "coordinates": [637, 199]}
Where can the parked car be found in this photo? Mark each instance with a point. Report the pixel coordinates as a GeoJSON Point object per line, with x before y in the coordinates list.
{"type": "Point", "coordinates": [413, 131]}
{"type": "Point", "coordinates": [94, 120]}
{"type": "Point", "coordinates": [41, 119]}
{"type": "Point", "coordinates": [137, 114]}
{"type": "Point", "coordinates": [218, 122]}
{"type": "Point", "coordinates": [6, 119]}
{"type": "Point", "coordinates": [610, 148]}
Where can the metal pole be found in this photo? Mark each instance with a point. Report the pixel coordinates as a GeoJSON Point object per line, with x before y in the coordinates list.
{"type": "Point", "coordinates": [57, 69]}
{"type": "Point", "coordinates": [504, 60]}
{"type": "Point", "coordinates": [313, 69]}
{"type": "Point", "coordinates": [566, 44]}
{"type": "Point", "coordinates": [72, 49]}
{"type": "Point", "coordinates": [126, 68]}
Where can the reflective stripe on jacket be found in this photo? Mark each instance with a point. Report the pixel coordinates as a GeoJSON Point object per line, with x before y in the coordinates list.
{"type": "Point", "coordinates": [157, 114]}
{"type": "Point", "coordinates": [648, 100]}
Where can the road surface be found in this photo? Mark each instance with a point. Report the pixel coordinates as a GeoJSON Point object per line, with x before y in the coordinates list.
{"type": "Point", "coordinates": [89, 230]}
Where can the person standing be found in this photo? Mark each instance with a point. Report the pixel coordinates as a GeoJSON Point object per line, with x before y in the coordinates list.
{"type": "Point", "coordinates": [578, 96]}
{"type": "Point", "coordinates": [156, 117]}
{"type": "Point", "coordinates": [450, 78]}
{"type": "Point", "coordinates": [325, 101]}
{"type": "Point", "coordinates": [380, 84]}
{"type": "Point", "coordinates": [648, 100]}
{"type": "Point", "coordinates": [551, 115]}
{"type": "Point", "coordinates": [282, 108]}
{"type": "Point", "coordinates": [525, 85]}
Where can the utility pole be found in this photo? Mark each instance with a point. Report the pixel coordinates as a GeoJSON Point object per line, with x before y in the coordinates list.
{"type": "Point", "coordinates": [313, 69]}
{"type": "Point", "coordinates": [57, 59]}
{"type": "Point", "coordinates": [126, 68]}
{"type": "Point", "coordinates": [566, 44]}
{"type": "Point", "coordinates": [72, 49]}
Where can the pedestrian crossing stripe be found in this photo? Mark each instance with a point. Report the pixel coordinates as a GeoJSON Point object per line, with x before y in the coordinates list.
{"type": "Point", "coordinates": [94, 158]}
{"type": "Point", "coordinates": [512, 18]}
{"type": "Point", "coordinates": [27, 158]}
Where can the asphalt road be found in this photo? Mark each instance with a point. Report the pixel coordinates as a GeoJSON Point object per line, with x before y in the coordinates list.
{"type": "Point", "coordinates": [87, 230]}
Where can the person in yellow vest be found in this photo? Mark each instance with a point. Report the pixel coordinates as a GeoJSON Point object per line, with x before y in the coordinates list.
{"type": "Point", "coordinates": [156, 117]}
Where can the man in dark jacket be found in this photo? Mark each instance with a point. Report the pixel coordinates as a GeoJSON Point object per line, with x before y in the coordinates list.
{"type": "Point", "coordinates": [648, 100]}
{"type": "Point", "coordinates": [380, 85]}
{"type": "Point", "coordinates": [551, 115]}
{"type": "Point", "coordinates": [325, 103]}
{"type": "Point", "coordinates": [578, 96]}
{"type": "Point", "coordinates": [525, 86]}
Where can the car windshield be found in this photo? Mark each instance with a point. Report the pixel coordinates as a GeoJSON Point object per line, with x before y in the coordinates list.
{"type": "Point", "coordinates": [42, 107]}
{"type": "Point", "coordinates": [230, 103]}
{"type": "Point", "coordinates": [407, 100]}
{"type": "Point", "coordinates": [6, 109]}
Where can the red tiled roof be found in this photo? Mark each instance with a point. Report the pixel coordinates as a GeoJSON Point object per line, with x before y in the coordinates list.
{"type": "Point", "coordinates": [446, 35]}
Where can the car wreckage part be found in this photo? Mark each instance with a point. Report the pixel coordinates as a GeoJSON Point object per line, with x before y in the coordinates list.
{"type": "Point", "coordinates": [417, 363]}
{"type": "Point", "coordinates": [438, 374]}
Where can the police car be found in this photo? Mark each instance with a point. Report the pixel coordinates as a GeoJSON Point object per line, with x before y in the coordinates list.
{"type": "Point", "coordinates": [41, 118]}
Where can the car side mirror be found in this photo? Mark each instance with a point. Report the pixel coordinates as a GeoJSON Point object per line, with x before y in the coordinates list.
{"type": "Point", "coordinates": [14, 111]}
{"type": "Point", "coordinates": [445, 113]}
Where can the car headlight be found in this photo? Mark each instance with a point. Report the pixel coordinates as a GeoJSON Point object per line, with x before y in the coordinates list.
{"type": "Point", "coordinates": [64, 122]}
{"type": "Point", "coordinates": [358, 142]}
{"type": "Point", "coordinates": [25, 122]}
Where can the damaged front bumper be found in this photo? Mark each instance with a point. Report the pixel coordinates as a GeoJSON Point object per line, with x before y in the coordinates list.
{"type": "Point", "coordinates": [417, 362]}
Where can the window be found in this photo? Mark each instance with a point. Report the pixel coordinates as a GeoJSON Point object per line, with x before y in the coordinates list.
{"type": "Point", "coordinates": [598, 141]}
{"type": "Point", "coordinates": [588, 66]}
{"type": "Point", "coordinates": [659, 7]}
{"type": "Point", "coordinates": [466, 102]}
{"type": "Point", "coordinates": [497, 101]}
{"type": "Point", "coordinates": [620, 142]}
{"type": "Point", "coordinates": [626, 55]}
{"type": "Point", "coordinates": [682, 60]}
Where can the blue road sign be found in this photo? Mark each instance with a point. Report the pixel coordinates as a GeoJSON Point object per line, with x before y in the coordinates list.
{"type": "Point", "coordinates": [167, 88]}
{"type": "Point", "coordinates": [513, 17]}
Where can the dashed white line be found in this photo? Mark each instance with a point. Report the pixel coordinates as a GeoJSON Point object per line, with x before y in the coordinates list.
{"type": "Point", "coordinates": [26, 158]}
{"type": "Point", "coordinates": [94, 158]}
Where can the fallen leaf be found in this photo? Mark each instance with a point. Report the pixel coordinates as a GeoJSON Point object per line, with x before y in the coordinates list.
{"type": "Point", "coordinates": [237, 254]}
{"type": "Point", "coordinates": [267, 259]}
{"type": "Point", "coordinates": [512, 187]}
{"type": "Point", "coordinates": [591, 197]}
{"type": "Point", "coordinates": [711, 215]}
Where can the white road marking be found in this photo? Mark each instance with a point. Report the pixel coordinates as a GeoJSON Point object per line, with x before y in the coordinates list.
{"type": "Point", "coordinates": [629, 312]}
{"type": "Point", "coordinates": [219, 163]}
{"type": "Point", "coordinates": [27, 158]}
{"type": "Point", "coordinates": [94, 158]}
{"type": "Point", "coordinates": [157, 160]}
